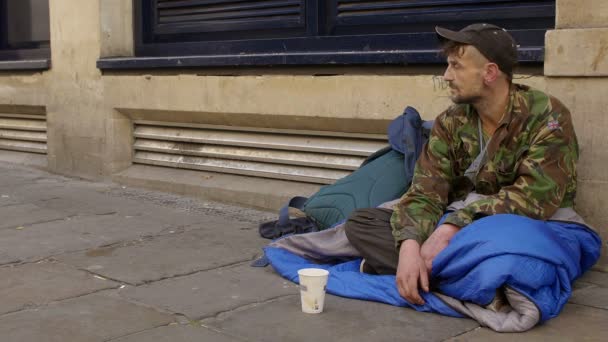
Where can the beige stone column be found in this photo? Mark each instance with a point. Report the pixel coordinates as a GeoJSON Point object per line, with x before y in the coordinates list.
{"type": "Point", "coordinates": [576, 70]}
{"type": "Point", "coordinates": [85, 135]}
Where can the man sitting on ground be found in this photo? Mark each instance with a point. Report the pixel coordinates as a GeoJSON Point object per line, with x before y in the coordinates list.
{"type": "Point", "coordinates": [501, 148]}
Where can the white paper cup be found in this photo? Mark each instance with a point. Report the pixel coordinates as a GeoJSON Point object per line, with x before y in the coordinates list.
{"type": "Point", "coordinates": [312, 289]}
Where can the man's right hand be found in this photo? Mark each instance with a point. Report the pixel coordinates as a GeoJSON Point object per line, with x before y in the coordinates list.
{"type": "Point", "coordinates": [411, 272]}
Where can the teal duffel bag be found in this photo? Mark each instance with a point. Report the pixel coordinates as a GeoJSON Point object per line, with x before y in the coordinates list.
{"type": "Point", "coordinates": [384, 176]}
{"type": "Point", "coordinates": [378, 181]}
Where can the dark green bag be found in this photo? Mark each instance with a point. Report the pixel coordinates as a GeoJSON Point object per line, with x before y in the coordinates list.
{"type": "Point", "coordinates": [378, 181]}
{"type": "Point", "coordinates": [384, 176]}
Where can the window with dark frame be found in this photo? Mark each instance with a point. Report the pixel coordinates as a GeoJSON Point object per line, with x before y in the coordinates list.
{"type": "Point", "coordinates": [24, 30]}
{"type": "Point", "coordinates": [269, 32]}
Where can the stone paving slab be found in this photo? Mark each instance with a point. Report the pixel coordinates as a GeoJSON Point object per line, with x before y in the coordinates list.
{"type": "Point", "coordinates": [575, 323]}
{"type": "Point", "coordinates": [593, 296]}
{"type": "Point", "coordinates": [343, 320]}
{"type": "Point", "coordinates": [15, 179]}
{"type": "Point", "coordinates": [31, 285]}
{"type": "Point", "coordinates": [42, 240]}
{"type": "Point", "coordinates": [6, 183]}
{"type": "Point", "coordinates": [193, 205]}
{"type": "Point", "coordinates": [597, 278]}
{"type": "Point", "coordinates": [7, 259]}
{"type": "Point", "coordinates": [90, 318]}
{"type": "Point", "coordinates": [7, 200]}
{"type": "Point", "coordinates": [579, 285]}
{"type": "Point", "coordinates": [20, 175]}
{"type": "Point", "coordinates": [20, 215]}
{"type": "Point", "coordinates": [208, 293]}
{"type": "Point", "coordinates": [39, 189]}
{"type": "Point", "coordinates": [178, 333]}
{"type": "Point", "coordinates": [215, 245]}
{"type": "Point", "coordinates": [79, 203]}
{"type": "Point", "coordinates": [91, 200]}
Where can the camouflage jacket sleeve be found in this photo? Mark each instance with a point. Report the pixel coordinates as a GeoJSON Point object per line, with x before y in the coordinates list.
{"type": "Point", "coordinates": [418, 211]}
{"type": "Point", "coordinates": [541, 177]}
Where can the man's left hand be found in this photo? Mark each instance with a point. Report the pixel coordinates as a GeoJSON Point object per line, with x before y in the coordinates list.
{"type": "Point", "coordinates": [437, 242]}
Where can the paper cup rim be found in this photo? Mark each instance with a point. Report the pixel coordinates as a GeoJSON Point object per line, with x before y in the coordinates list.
{"type": "Point", "coordinates": [313, 272]}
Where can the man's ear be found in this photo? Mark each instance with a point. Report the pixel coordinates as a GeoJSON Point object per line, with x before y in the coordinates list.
{"type": "Point", "coordinates": [492, 73]}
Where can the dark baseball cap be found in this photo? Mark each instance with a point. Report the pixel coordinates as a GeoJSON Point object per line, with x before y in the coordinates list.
{"type": "Point", "coordinates": [494, 42]}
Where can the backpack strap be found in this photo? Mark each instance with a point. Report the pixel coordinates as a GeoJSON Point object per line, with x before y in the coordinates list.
{"type": "Point", "coordinates": [295, 202]}
{"type": "Point", "coordinates": [285, 225]}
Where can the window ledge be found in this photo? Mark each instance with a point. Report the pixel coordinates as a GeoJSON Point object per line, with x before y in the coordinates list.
{"type": "Point", "coordinates": [395, 57]}
{"type": "Point", "coordinates": [26, 64]}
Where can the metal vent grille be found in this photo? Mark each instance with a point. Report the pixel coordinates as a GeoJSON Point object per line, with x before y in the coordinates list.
{"type": "Point", "coordinates": [306, 156]}
{"type": "Point", "coordinates": [196, 11]}
{"type": "Point", "coordinates": [403, 7]}
{"type": "Point", "coordinates": [23, 132]}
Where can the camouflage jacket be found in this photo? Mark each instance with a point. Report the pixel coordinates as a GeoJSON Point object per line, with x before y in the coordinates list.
{"type": "Point", "coordinates": [529, 169]}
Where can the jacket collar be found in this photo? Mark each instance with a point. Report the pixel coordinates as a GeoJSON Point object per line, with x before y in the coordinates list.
{"type": "Point", "coordinates": [517, 106]}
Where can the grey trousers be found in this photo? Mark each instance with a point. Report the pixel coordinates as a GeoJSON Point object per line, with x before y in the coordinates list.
{"type": "Point", "coordinates": [369, 232]}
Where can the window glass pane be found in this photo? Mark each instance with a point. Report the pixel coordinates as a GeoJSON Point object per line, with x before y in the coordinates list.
{"type": "Point", "coordinates": [195, 20]}
{"type": "Point", "coordinates": [27, 24]}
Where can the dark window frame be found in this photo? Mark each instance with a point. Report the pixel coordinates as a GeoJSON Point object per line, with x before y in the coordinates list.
{"type": "Point", "coordinates": [337, 40]}
{"type": "Point", "coordinates": [36, 57]}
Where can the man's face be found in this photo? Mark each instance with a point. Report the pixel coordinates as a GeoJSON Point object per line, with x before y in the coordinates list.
{"type": "Point", "coordinates": [464, 75]}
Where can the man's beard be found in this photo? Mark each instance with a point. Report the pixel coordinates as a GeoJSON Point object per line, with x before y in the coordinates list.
{"type": "Point", "coordinates": [459, 99]}
{"type": "Point", "coordinates": [464, 99]}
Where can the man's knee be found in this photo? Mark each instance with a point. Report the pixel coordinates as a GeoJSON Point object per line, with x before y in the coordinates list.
{"type": "Point", "coordinates": [369, 232]}
{"type": "Point", "coordinates": [366, 221]}
{"type": "Point", "coordinates": [355, 223]}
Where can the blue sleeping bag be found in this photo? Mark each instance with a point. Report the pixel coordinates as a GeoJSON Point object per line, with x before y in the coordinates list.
{"type": "Point", "coordinates": [537, 259]}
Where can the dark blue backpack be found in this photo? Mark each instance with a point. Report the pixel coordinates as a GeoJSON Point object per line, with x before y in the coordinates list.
{"type": "Point", "coordinates": [385, 175]}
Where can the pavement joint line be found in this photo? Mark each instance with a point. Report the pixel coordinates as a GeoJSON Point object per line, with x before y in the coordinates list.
{"type": "Point", "coordinates": [463, 333]}
{"type": "Point", "coordinates": [49, 199]}
{"type": "Point", "coordinates": [223, 332]}
{"type": "Point", "coordinates": [182, 275]}
{"type": "Point", "coordinates": [588, 305]}
{"type": "Point", "coordinates": [11, 205]}
{"type": "Point", "coordinates": [56, 177]}
{"type": "Point", "coordinates": [112, 293]}
{"type": "Point", "coordinates": [240, 338]}
{"type": "Point", "coordinates": [51, 257]}
{"type": "Point", "coordinates": [184, 320]}
{"type": "Point", "coordinates": [592, 283]}
{"type": "Point", "coordinates": [123, 244]}
{"type": "Point", "coordinates": [140, 331]}
{"type": "Point", "coordinates": [11, 263]}
{"type": "Point", "coordinates": [218, 315]}
{"type": "Point", "coordinates": [14, 185]}
{"type": "Point", "coordinates": [24, 308]}
{"type": "Point", "coordinates": [109, 213]}
{"type": "Point", "coordinates": [195, 205]}
{"type": "Point", "coordinates": [39, 222]}
{"type": "Point", "coordinates": [578, 304]}
{"type": "Point", "coordinates": [120, 282]}
{"type": "Point", "coordinates": [115, 293]}
{"type": "Point", "coordinates": [29, 307]}
{"type": "Point", "coordinates": [181, 229]}
{"type": "Point", "coordinates": [118, 244]}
